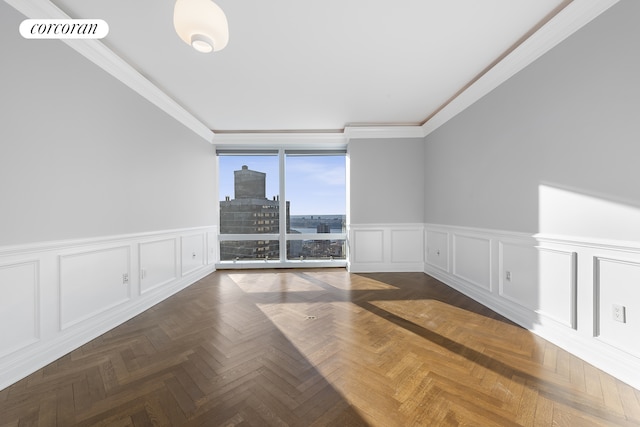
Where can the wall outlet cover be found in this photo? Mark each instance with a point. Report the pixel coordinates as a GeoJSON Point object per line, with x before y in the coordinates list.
{"type": "Point", "coordinates": [619, 313]}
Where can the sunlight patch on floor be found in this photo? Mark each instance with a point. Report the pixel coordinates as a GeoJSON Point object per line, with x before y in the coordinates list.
{"type": "Point", "coordinates": [273, 283]}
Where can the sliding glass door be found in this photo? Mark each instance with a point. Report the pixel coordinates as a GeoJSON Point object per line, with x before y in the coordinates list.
{"type": "Point", "coordinates": [282, 208]}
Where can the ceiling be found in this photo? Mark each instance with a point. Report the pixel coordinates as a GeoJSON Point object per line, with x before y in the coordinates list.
{"type": "Point", "coordinates": [323, 66]}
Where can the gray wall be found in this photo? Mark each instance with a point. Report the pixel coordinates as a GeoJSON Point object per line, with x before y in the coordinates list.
{"type": "Point", "coordinates": [81, 155]}
{"type": "Point", "coordinates": [387, 181]}
{"type": "Point", "coordinates": [554, 149]}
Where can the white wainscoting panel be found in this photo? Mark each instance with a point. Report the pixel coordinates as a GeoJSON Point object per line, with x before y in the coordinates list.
{"type": "Point", "coordinates": [93, 282]}
{"type": "Point", "coordinates": [562, 288]}
{"type": "Point", "coordinates": [56, 296]}
{"type": "Point", "coordinates": [540, 279]}
{"type": "Point", "coordinates": [472, 260]}
{"type": "Point", "coordinates": [386, 247]}
{"type": "Point", "coordinates": [193, 252]}
{"type": "Point", "coordinates": [407, 246]}
{"type": "Point", "coordinates": [368, 246]}
{"type": "Point", "coordinates": [618, 283]}
{"type": "Point", "coordinates": [519, 274]}
{"type": "Point", "coordinates": [158, 263]}
{"type": "Point", "coordinates": [19, 301]}
{"type": "Point", "coordinates": [557, 287]}
{"type": "Point", "coordinates": [437, 249]}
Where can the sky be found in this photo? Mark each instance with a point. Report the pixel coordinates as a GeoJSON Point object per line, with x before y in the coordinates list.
{"type": "Point", "coordinates": [315, 185]}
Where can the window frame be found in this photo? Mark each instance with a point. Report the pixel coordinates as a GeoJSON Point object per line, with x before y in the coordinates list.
{"type": "Point", "coordinates": [282, 236]}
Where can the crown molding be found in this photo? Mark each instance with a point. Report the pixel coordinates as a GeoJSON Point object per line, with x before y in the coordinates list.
{"type": "Point", "coordinates": [390, 131]}
{"type": "Point", "coordinates": [570, 19]}
{"type": "Point", "coordinates": [105, 58]}
{"type": "Point", "coordinates": [257, 140]}
{"type": "Point", "coordinates": [311, 140]}
{"type": "Point", "coordinates": [574, 16]}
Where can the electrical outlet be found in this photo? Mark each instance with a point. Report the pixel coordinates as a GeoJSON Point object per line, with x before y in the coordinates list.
{"type": "Point", "coordinates": [125, 278]}
{"type": "Point", "coordinates": [619, 313]}
{"type": "Point", "coordinates": [507, 276]}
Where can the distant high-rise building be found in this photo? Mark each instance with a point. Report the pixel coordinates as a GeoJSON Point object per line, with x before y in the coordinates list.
{"type": "Point", "coordinates": [248, 184]}
{"type": "Point", "coordinates": [250, 212]}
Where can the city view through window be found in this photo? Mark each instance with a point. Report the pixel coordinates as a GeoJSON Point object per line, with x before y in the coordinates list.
{"type": "Point", "coordinates": [313, 212]}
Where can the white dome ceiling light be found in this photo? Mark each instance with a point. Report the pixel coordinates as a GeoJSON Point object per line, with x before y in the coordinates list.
{"type": "Point", "coordinates": [201, 24]}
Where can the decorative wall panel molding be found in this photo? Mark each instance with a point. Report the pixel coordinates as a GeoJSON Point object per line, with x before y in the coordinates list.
{"type": "Point", "coordinates": [367, 246]}
{"type": "Point", "coordinates": [193, 252]}
{"type": "Point", "coordinates": [19, 306]}
{"type": "Point", "coordinates": [407, 245]}
{"type": "Point", "coordinates": [437, 253]}
{"type": "Point", "coordinates": [56, 296]}
{"type": "Point", "coordinates": [617, 296]}
{"type": "Point", "coordinates": [472, 259]}
{"type": "Point", "coordinates": [518, 267]}
{"type": "Point", "coordinates": [158, 263]}
{"type": "Point", "coordinates": [92, 282]}
{"type": "Point", "coordinates": [386, 247]}
{"type": "Point", "coordinates": [564, 289]}
{"type": "Point", "coordinates": [557, 286]}
{"type": "Point", "coordinates": [539, 279]}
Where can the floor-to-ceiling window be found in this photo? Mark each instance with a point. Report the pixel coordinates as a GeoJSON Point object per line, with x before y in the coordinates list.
{"type": "Point", "coordinates": [282, 208]}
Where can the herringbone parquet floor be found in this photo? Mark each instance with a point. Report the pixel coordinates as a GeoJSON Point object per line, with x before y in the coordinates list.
{"type": "Point", "coordinates": [315, 348]}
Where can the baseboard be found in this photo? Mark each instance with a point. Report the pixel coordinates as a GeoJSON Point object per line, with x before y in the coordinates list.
{"type": "Point", "coordinates": [385, 267]}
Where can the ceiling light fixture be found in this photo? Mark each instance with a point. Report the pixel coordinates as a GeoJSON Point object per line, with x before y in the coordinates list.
{"type": "Point", "coordinates": [201, 24]}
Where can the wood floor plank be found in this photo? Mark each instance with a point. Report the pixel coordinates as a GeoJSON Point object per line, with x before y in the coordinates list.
{"type": "Point", "coordinates": [526, 412]}
{"type": "Point", "coordinates": [543, 412]}
{"type": "Point", "coordinates": [593, 386]}
{"type": "Point", "coordinates": [319, 348]}
{"type": "Point", "coordinates": [65, 411]}
{"type": "Point", "coordinates": [47, 411]}
{"type": "Point", "coordinates": [81, 396]}
{"type": "Point", "coordinates": [610, 393]}
{"type": "Point", "coordinates": [630, 403]}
